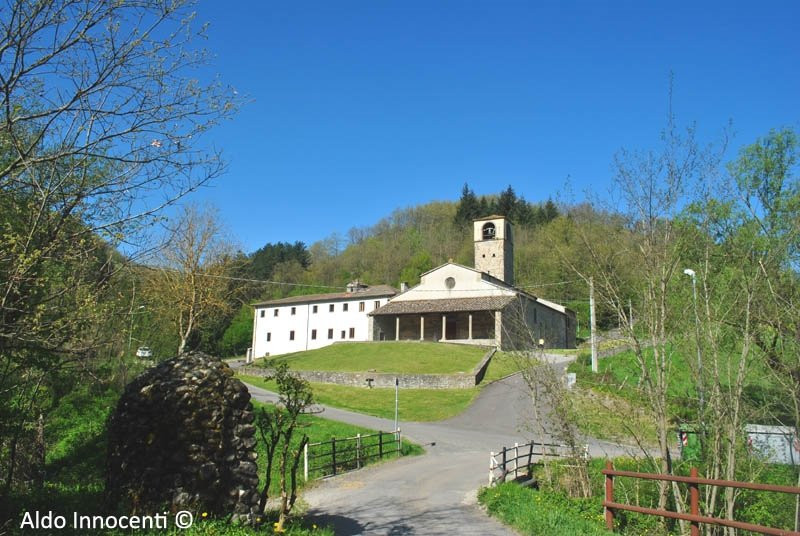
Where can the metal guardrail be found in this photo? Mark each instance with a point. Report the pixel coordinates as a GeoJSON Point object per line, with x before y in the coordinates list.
{"type": "Point", "coordinates": [694, 500]}
{"type": "Point", "coordinates": [330, 458]}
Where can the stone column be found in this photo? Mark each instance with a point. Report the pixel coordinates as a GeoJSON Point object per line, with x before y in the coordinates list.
{"type": "Point", "coordinates": [397, 328]}
{"type": "Point", "coordinates": [498, 328]}
{"type": "Point", "coordinates": [469, 336]}
{"type": "Point", "coordinates": [421, 328]}
{"type": "Point", "coordinates": [444, 327]}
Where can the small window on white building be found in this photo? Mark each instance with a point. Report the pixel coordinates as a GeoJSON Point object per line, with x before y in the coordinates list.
{"type": "Point", "coordinates": [314, 309]}
{"type": "Point", "coordinates": [275, 312]}
{"type": "Point", "coordinates": [377, 304]}
{"type": "Point", "coordinates": [344, 306]}
{"type": "Point", "coordinates": [343, 334]}
{"type": "Point", "coordinates": [313, 334]}
{"type": "Point", "coordinates": [262, 313]}
{"type": "Point", "coordinates": [352, 333]}
{"type": "Point", "coordinates": [330, 333]}
{"type": "Point", "coordinates": [269, 337]}
{"type": "Point", "coordinates": [330, 308]}
{"type": "Point", "coordinates": [361, 307]}
{"type": "Point", "coordinates": [294, 310]}
{"type": "Point", "coordinates": [291, 335]}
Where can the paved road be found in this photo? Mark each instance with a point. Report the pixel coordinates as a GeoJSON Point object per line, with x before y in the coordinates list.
{"type": "Point", "coordinates": [434, 493]}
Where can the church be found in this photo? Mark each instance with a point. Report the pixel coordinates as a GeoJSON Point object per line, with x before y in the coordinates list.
{"type": "Point", "coordinates": [452, 303]}
{"type": "Point", "coordinates": [480, 305]}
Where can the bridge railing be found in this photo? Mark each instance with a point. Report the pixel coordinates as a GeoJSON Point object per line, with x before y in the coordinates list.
{"type": "Point", "coordinates": [507, 460]}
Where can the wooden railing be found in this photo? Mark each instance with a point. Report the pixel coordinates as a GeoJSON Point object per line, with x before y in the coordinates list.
{"type": "Point", "coordinates": [693, 516]}
{"type": "Point", "coordinates": [500, 463]}
{"type": "Point", "coordinates": [336, 456]}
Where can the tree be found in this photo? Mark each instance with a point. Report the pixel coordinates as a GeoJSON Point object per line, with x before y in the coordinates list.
{"type": "Point", "coordinates": [277, 426]}
{"type": "Point", "coordinates": [101, 128]}
{"type": "Point", "coordinates": [190, 283]}
{"type": "Point", "coordinates": [468, 207]}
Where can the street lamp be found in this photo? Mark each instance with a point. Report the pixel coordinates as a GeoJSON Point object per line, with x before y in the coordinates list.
{"type": "Point", "coordinates": [691, 273]}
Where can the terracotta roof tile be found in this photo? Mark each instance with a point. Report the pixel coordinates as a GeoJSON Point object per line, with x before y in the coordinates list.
{"type": "Point", "coordinates": [486, 303]}
{"type": "Point", "coordinates": [371, 292]}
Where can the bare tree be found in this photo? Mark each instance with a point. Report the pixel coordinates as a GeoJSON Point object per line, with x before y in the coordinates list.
{"type": "Point", "coordinates": [190, 284]}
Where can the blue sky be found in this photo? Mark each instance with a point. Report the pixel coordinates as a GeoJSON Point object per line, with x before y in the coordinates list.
{"type": "Point", "coordinates": [359, 108]}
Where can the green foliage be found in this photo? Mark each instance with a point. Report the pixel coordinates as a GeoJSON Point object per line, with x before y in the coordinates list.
{"type": "Point", "coordinates": [533, 512]}
{"type": "Point", "coordinates": [239, 335]}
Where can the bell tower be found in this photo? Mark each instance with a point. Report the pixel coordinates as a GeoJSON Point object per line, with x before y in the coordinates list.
{"type": "Point", "coordinates": [494, 247]}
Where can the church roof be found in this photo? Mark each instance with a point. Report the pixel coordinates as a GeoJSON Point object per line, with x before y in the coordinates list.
{"type": "Point", "coordinates": [448, 305]}
{"type": "Point", "coordinates": [369, 292]}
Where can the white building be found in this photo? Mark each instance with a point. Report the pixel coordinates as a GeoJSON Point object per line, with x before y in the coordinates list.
{"type": "Point", "coordinates": [308, 322]}
{"type": "Point", "coordinates": [478, 305]}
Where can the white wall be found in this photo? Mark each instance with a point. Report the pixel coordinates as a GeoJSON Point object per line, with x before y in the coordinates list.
{"type": "Point", "coordinates": [468, 284]}
{"type": "Point", "coordinates": [304, 321]}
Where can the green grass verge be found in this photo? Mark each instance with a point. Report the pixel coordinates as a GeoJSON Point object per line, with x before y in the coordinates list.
{"type": "Point", "coordinates": [388, 357]}
{"type": "Point", "coordinates": [418, 405]}
{"type": "Point", "coordinates": [414, 404]}
{"type": "Point", "coordinates": [530, 511]}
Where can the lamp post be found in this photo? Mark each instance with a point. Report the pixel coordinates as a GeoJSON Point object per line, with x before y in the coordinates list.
{"type": "Point", "coordinates": [691, 273]}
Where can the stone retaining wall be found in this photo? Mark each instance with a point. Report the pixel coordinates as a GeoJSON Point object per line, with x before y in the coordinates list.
{"type": "Point", "coordinates": [380, 379]}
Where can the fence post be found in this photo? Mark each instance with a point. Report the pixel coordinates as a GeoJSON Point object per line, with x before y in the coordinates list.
{"type": "Point", "coordinates": [305, 462]}
{"type": "Point", "coordinates": [530, 455]}
{"type": "Point", "coordinates": [380, 445]}
{"type": "Point", "coordinates": [504, 464]}
{"type": "Point", "coordinates": [358, 451]}
{"type": "Point", "coordinates": [609, 497]}
{"type": "Point", "coordinates": [333, 454]}
{"type": "Point", "coordinates": [398, 442]}
{"type": "Point", "coordinates": [694, 502]}
{"type": "Point", "coordinates": [491, 468]}
{"type": "Point", "coordinates": [516, 460]}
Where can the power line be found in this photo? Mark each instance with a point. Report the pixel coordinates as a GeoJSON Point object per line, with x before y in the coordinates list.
{"type": "Point", "coordinates": [245, 279]}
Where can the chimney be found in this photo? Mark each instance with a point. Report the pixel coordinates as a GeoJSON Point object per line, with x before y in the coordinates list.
{"type": "Point", "coordinates": [403, 286]}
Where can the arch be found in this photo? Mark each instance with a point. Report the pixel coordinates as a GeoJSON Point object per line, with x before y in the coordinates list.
{"type": "Point", "coordinates": [488, 231]}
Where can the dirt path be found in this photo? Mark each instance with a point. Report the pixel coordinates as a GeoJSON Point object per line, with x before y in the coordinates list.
{"type": "Point", "coordinates": [434, 493]}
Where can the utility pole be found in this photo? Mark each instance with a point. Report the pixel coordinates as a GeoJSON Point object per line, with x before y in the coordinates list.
{"type": "Point", "coordinates": [592, 324]}
{"type": "Point", "coordinates": [396, 397]}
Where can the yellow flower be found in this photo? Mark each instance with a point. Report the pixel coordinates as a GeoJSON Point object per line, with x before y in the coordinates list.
{"type": "Point", "coordinates": [205, 514]}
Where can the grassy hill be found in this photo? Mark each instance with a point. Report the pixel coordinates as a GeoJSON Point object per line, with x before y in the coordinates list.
{"type": "Point", "coordinates": [391, 357]}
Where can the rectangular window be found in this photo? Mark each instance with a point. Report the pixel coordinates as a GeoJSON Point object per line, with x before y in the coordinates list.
{"type": "Point", "coordinates": [330, 333]}
{"type": "Point", "coordinates": [314, 309]}
{"type": "Point", "coordinates": [344, 307]}
{"type": "Point", "coordinates": [377, 304]}
{"type": "Point", "coordinates": [294, 310]}
{"type": "Point", "coordinates": [352, 333]}
{"type": "Point", "coordinates": [262, 313]}
{"type": "Point", "coordinates": [275, 312]}
{"type": "Point", "coordinates": [313, 334]}
{"type": "Point", "coordinates": [343, 334]}
{"type": "Point", "coordinates": [361, 307]}
{"type": "Point", "coordinates": [291, 335]}
{"type": "Point", "coordinates": [330, 308]}
{"type": "Point", "coordinates": [269, 337]}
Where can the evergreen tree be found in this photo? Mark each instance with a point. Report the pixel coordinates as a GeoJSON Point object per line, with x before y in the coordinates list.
{"type": "Point", "coordinates": [468, 207]}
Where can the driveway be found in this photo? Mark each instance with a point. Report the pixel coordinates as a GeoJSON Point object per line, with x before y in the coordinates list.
{"type": "Point", "coordinates": [434, 493]}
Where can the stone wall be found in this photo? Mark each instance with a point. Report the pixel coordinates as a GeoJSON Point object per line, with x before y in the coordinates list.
{"type": "Point", "coordinates": [406, 381]}
{"type": "Point", "coordinates": [182, 436]}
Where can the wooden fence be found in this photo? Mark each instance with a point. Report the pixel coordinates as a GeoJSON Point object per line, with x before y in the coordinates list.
{"type": "Point", "coordinates": [500, 462]}
{"type": "Point", "coordinates": [336, 456]}
{"type": "Point", "coordinates": [693, 516]}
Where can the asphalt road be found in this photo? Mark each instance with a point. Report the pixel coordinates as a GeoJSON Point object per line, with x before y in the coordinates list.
{"type": "Point", "coordinates": [434, 493]}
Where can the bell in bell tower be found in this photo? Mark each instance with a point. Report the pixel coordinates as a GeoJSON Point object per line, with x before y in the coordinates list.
{"type": "Point", "coordinates": [494, 247]}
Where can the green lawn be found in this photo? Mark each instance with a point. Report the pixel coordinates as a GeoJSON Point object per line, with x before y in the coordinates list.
{"type": "Point", "coordinates": [389, 357]}
{"type": "Point", "coordinates": [414, 404]}
{"type": "Point", "coordinates": [419, 405]}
